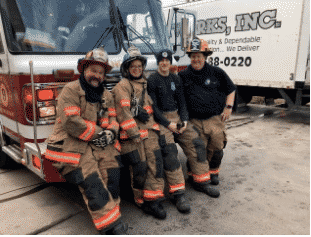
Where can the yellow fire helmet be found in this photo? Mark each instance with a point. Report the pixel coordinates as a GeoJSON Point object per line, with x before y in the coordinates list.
{"type": "Point", "coordinates": [96, 56]}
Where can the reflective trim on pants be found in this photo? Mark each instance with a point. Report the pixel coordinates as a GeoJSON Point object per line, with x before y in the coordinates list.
{"type": "Point", "coordinates": [107, 219]}
{"type": "Point", "coordinates": [200, 178]}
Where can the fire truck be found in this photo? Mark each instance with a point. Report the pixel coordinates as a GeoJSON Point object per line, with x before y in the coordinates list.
{"type": "Point", "coordinates": [40, 44]}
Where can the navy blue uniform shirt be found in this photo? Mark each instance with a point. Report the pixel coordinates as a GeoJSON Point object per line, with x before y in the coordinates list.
{"type": "Point", "coordinates": [206, 90]}
{"type": "Point", "coordinates": [167, 95]}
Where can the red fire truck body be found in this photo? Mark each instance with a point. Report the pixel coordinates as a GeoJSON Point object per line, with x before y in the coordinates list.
{"type": "Point", "coordinates": [41, 42]}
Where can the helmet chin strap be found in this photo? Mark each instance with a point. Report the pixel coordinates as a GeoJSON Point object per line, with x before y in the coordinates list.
{"type": "Point", "coordinates": [131, 77]}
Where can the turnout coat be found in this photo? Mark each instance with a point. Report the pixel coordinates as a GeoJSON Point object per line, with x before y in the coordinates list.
{"type": "Point", "coordinates": [131, 127]}
{"type": "Point", "coordinates": [78, 122]}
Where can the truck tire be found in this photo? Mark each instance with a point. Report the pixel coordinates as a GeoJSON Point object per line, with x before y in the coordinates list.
{"type": "Point", "coordinates": [243, 95]}
{"type": "Point", "coordinates": [246, 98]}
{"type": "Point", "coordinates": [305, 100]}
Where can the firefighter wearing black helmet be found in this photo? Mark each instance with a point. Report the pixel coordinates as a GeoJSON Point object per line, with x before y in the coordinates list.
{"type": "Point", "coordinates": [209, 93]}
{"type": "Point", "coordinates": [139, 135]}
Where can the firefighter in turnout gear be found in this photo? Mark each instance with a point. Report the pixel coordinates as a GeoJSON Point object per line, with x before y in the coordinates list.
{"type": "Point", "coordinates": [170, 110]}
{"type": "Point", "coordinates": [209, 93]}
{"type": "Point", "coordinates": [84, 145]}
{"type": "Point", "coordinates": [139, 135]}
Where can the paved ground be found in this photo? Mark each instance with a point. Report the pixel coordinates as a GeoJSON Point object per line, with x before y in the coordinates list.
{"type": "Point", "coordinates": [265, 189]}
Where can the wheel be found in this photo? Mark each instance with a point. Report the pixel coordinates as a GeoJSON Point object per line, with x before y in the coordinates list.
{"type": "Point", "coordinates": [269, 101]}
{"type": "Point", "coordinates": [305, 100]}
{"type": "Point", "coordinates": [243, 95]}
{"type": "Point", "coordinates": [246, 98]}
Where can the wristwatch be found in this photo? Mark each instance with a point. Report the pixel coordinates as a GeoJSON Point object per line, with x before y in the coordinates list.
{"type": "Point", "coordinates": [229, 106]}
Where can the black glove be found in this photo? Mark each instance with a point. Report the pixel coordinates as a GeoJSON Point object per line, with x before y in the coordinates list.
{"type": "Point", "coordinates": [106, 138]}
{"type": "Point", "coordinates": [142, 115]}
{"type": "Point", "coordinates": [180, 125]}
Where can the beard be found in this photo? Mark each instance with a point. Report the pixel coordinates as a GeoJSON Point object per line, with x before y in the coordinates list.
{"type": "Point", "coordinates": [94, 81]}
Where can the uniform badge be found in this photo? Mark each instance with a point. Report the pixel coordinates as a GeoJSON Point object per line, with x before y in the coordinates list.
{"type": "Point", "coordinates": [207, 82]}
{"type": "Point", "coordinates": [164, 55]}
{"type": "Point", "coordinates": [173, 87]}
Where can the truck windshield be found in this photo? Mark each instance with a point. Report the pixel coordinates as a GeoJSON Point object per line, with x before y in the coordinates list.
{"type": "Point", "coordinates": [76, 26]}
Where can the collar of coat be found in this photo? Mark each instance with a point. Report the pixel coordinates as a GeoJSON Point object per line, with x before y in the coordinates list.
{"type": "Point", "coordinates": [81, 92]}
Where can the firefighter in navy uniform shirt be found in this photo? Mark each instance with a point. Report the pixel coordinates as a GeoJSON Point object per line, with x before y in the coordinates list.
{"type": "Point", "coordinates": [170, 109]}
{"type": "Point", "coordinates": [209, 94]}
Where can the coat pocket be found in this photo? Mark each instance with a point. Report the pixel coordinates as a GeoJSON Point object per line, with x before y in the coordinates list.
{"type": "Point", "coordinates": [73, 145]}
{"type": "Point", "coordinates": [56, 152]}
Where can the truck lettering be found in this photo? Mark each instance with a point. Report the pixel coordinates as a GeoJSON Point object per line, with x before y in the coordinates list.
{"type": "Point", "coordinates": [244, 22]}
{"type": "Point", "coordinates": [248, 48]}
{"type": "Point", "coordinates": [250, 21]}
{"type": "Point", "coordinates": [201, 27]}
{"type": "Point", "coordinates": [230, 48]}
{"type": "Point", "coordinates": [212, 26]}
{"type": "Point", "coordinates": [265, 20]}
{"type": "Point", "coordinates": [233, 61]}
{"type": "Point", "coordinates": [271, 14]}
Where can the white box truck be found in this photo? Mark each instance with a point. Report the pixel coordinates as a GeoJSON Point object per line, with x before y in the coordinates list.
{"type": "Point", "coordinates": [263, 45]}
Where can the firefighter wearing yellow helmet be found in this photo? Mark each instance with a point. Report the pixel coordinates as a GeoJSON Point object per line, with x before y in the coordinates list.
{"type": "Point", "coordinates": [209, 93]}
{"type": "Point", "coordinates": [84, 146]}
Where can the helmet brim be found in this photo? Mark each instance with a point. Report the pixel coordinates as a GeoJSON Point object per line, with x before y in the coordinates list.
{"type": "Point", "coordinates": [205, 53]}
{"type": "Point", "coordinates": [125, 65]}
{"type": "Point", "coordinates": [84, 63]}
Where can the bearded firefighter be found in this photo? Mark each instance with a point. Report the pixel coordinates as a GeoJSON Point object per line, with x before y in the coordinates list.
{"type": "Point", "coordinates": [84, 145]}
{"type": "Point", "coordinates": [209, 93]}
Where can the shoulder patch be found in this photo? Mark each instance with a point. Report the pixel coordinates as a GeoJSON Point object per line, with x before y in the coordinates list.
{"type": "Point", "coordinates": [173, 87]}
{"type": "Point", "coordinates": [207, 82]}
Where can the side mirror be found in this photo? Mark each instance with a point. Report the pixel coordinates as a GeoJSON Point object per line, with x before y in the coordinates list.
{"type": "Point", "coordinates": [148, 25]}
{"type": "Point", "coordinates": [185, 34]}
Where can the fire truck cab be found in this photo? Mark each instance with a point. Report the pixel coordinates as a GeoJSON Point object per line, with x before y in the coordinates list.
{"type": "Point", "coordinates": [40, 44]}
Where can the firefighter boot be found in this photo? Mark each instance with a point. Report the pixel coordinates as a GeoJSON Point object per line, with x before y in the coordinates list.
{"type": "Point", "coordinates": [214, 179]}
{"type": "Point", "coordinates": [181, 203]}
{"type": "Point", "coordinates": [206, 188]}
{"type": "Point", "coordinates": [119, 228]}
{"type": "Point", "coordinates": [155, 209]}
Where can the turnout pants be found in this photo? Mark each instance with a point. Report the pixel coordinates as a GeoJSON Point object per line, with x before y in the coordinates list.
{"type": "Point", "coordinates": [146, 167]}
{"type": "Point", "coordinates": [171, 164]}
{"type": "Point", "coordinates": [194, 149]}
{"type": "Point", "coordinates": [97, 177]}
{"type": "Point", "coordinates": [214, 137]}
